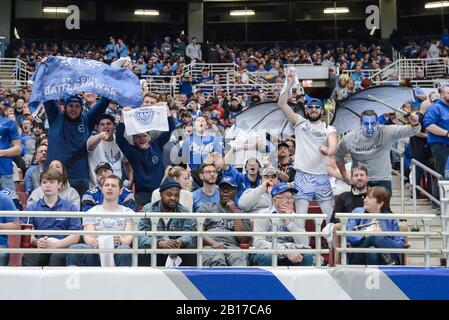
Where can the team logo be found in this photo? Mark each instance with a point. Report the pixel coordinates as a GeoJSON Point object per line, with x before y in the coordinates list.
{"type": "Point", "coordinates": [144, 116]}
{"type": "Point", "coordinates": [81, 128]}
{"type": "Point", "coordinates": [155, 159]}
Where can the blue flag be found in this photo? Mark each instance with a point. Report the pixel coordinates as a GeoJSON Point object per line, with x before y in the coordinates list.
{"type": "Point", "coordinates": [62, 77]}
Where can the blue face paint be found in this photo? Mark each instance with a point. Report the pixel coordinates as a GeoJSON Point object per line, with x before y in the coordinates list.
{"type": "Point", "coordinates": [369, 125]}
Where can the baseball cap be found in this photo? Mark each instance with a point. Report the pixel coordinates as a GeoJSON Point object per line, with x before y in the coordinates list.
{"type": "Point", "coordinates": [103, 165]}
{"type": "Point", "coordinates": [268, 171]}
{"type": "Point", "coordinates": [213, 116]}
{"type": "Point", "coordinates": [283, 144]}
{"type": "Point", "coordinates": [281, 187]}
{"type": "Point", "coordinates": [314, 102]}
{"type": "Point", "coordinates": [232, 114]}
{"type": "Point", "coordinates": [228, 180]}
{"type": "Point", "coordinates": [169, 183]}
{"type": "Point", "coordinates": [71, 99]}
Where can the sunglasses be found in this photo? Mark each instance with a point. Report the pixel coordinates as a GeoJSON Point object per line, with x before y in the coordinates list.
{"type": "Point", "coordinates": [313, 106]}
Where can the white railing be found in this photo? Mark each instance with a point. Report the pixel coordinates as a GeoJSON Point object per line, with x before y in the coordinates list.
{"type": "Point", "coordinates": [366, 73]}
{"type": "Point", "coordinates": [427, 234]}
{"type": "Point", "coordinates": [154, 218]}
{"type": "Point", "coordinates": [159, 84]}
{"type": "Point", "coordinates": [13, 72]}
{"type": "Point", "coordinates": [402, 173]}
{"type": "Point", "coordinates": [268, 88]}
{"type": "Point", "coordinates": [195, 69]}
{"type": "Point", "coordinates": [444, 204]}
{"type": "Point", "coordinates": [415, 185]}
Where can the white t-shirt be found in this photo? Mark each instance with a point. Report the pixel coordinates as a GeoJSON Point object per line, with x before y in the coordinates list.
{"type": "Point", "coordinates": [108, 224]}
{"type": "Point", "coordinates": [106, 151]}
{"type": "Point", "coordinates": [309, 138]}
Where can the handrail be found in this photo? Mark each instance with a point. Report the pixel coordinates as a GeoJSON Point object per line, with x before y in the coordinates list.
{"type": "Point", "coordinates": [155, 217]}
{"type": "Point", "coordinates": [444, 203]}
{"type": "Point", "coordinates": [344, 217]}
{"type": "Point", "coordinates": [401, 155]}
{"type": "Point", "coordinates": [415, 187]}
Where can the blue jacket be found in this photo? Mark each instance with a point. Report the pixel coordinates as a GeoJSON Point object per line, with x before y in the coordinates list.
{"type": "Point", "coordinates": [386, 225]}
{"type": "Point", "coordinates": [241, 179]}
{"type": "Point", "coordinates": [8, 134]}
{"type": "Point", "coordinates": [6, 204]}
{"type": "Point", "coordinates": [174, 224]}
{"type": "Point", "coordinates": [95, 197]}
{"type": "Point", "coordinates": [67, 139]}
{"type": "Point", "coordinates": [148, 165]}
{"type": "Point", "coordinates": [438, 113]}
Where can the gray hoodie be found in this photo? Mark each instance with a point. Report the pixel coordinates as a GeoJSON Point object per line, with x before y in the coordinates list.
{"type": "Point", "coordinates": [254, 200]}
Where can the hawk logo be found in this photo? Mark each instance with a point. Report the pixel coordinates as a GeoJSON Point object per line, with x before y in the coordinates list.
{"type": "Point", "coordinates": [144, 116]}
{"type": "Point", "coordinates": [155, 159]}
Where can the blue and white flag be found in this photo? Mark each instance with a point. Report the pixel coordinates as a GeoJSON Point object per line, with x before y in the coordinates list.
{"type": "Point", "coordinates": [145, 119]}
{"type": "Point", "coordinates": [61, 77]}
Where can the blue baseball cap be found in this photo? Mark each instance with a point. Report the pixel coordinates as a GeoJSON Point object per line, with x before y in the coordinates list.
{"type": "Point", "coordinates": [281, 187]}
{"type": "Point", "coordinates": [228, 180]}
{"type": "Point", "coordinates": [315, 103]}
{"type": "Point", "coordinates": [75, 99]}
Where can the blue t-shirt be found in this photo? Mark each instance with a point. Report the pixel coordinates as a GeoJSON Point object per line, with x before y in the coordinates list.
{"type": "Point", "coordinates": [200, 198]}
{"type": "Point", "coordinates": [8, 133]}
{"type": "Point", "coordinates": [197, 148]}
{"type": "Point", "coordinates": [48, 223]}
{"type": "Point", "coordinates": [6, 204]}
{"type": "Point", "coordinates": [438, 114]}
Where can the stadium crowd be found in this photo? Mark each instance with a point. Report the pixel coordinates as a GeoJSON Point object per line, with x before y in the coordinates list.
{"type": "Point", "coordinates": [73, 155]}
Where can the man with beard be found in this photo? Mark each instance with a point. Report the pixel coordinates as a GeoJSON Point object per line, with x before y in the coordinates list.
{"type": "Point", "coordinates": [67, 136]}
{"type": "Point", "coordinates": [170, 193]}
{"type": "Point", "coordinates": [226, 204]}
{"type": "Point", "coordinates": [315, 141]}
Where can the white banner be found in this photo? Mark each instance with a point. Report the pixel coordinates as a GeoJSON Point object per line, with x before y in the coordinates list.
{"type": "Point", "coordinates": [144, 119]}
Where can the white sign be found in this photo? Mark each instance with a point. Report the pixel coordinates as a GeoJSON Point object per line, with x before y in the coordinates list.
{"type": "Point", "coordinates": [145, 119]}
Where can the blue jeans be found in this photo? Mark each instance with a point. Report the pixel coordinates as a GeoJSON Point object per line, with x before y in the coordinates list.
{"type": "Point", "coordinates": [80, 185]}
{"type": "Point", "coordinates": [93, 260]}
{"type": "Point", "coordinates": [373, 258]}
{"type": "Point", "coordinates": [381, 183]}
{"type": "Point", "coordinates": [4, 259]}
{"type": "Point", "coordinates": [264, 259]}
{"type": "Point", "coordinates": [7, 182]}
{"type": "Point", "coordinates": [440, 153]}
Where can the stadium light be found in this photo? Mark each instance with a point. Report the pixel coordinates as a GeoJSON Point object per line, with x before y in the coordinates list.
{"type": "Point", "coordinates": [55, 10]}
{"type": "Point", "coordinates": [336, 10]}
{"type": "Point", "coordinates": [242, 12]}
{"type": "Point", "coordinates": [436, 4]}
{"type": "Point", "coordinates": [144, 12]}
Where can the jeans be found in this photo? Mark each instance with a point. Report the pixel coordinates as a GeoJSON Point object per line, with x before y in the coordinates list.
{"type": "Point", "coordinates": [93, 260]}
{"type": "Point", "coordinates": [44, 259]}
{"type": "Point", "coordinates": [7, 182]}
{"type": "Point", "coordinates": [440, 153]}
{"type": "Point", "coordinates": [264, 259]}
{"type": "Point", "coordinates": [142, 198]}
{"type": "Point", "coordinates": [4, 259]}
{"type": "Point", "coordinates": [373, 258]}
{"type": "Point", "coordinates": [80, 185]}
{"type": "Point", "coordinates": [381, 183]}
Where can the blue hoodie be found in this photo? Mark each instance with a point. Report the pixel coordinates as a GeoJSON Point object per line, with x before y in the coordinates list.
{"type": "Point", "coordinates": [67, 139]}
{"type": "Point", "coordinates": [148, 165]}
{"type": "Point", "coordinates": [438, 113]}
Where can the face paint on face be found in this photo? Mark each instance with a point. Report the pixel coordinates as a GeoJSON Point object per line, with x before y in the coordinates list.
{"type": "Point", "coordinates": [369, 125]}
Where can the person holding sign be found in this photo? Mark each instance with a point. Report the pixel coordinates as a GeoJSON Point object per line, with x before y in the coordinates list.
{"type": "Point", "coordinates": [144, 155]}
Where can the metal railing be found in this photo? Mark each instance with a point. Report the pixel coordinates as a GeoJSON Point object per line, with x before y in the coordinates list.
{"type": "Point", "coordinates": [268, 88]}
{"type": "Point", "coordinates": [415, 186]}
{"type": "Point", "coordinates": [195, 69]}
{"type": "Point", "coordinates": [154, 218]}
{"type": "Point", "coordinates": [13, 73]}
{"type": "Point", "coordinates": [444, 205]}
{"type": "Point", "coordinates": [402, 173]}
{"type": "Point", "coordinates": [426, 234]}
{"type": "Point", "coordinates": [366, 73]}
{"type": "Point", "coordinates": [163, 84]}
